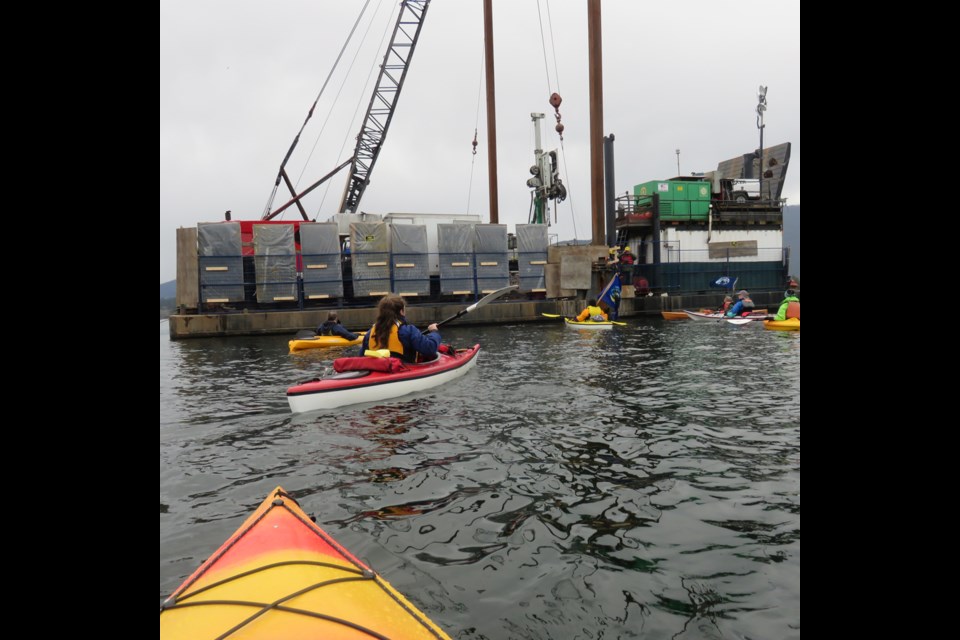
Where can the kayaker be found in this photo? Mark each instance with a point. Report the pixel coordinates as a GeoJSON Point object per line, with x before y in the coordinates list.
{"type": "Point", "coordinates": [592, 313]}
{"type": "Point", "coordinates": [392, 332]}
{"type": "Point", "coordinates": [789, 308]}
{"type": "Point", "coordinates": [612, 262]}
{"type": "Point", "coordinates": [727, 303]}
{"type": "Point", "coordinates": [333, 327]}
{"type": "Point", "coordinates": [626, 265]}
{"type": "Point", "coordinates": [743, 305]}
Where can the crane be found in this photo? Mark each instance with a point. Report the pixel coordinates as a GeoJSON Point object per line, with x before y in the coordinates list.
{"type": "Point", "coordinates": [396, 62]}
{"type": "Point", "coordinates": [545, 182]}
{"type": "Point", "coordinates": [383, 102]}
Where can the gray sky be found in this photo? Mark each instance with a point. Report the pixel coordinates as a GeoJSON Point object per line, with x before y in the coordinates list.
{"type": "Point", "coordinates": [237, 78]}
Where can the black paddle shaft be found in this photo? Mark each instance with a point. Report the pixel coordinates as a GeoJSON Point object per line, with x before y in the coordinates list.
{"type": "Point", "coordinates": [490, 297]}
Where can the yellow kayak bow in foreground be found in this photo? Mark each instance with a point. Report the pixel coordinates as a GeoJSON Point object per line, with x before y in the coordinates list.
{"type": "Point", "coordinates": [281, 576]}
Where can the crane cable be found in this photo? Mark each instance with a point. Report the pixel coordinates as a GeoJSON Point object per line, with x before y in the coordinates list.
{"type": "Point", "coordinates": [360, 99]}
{"type": "Point", "coordinates": [559, 127]}
{"type": "Point", "coordinates": [296, 139]}
{"type": "Point", "coordinates": [336, 98]}
{"type": "Point", "coordinates": [476, 126]}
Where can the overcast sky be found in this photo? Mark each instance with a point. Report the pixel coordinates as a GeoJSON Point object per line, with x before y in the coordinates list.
{"type": "Point", "coordinates": [238, 77]}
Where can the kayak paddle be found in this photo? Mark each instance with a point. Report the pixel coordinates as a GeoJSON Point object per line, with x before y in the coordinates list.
{"type": "Point", "coordinates": [490, 297]}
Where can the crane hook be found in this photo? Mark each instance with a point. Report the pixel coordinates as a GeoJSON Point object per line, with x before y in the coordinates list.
{"type": "Point", "coordinates": [555, 101]}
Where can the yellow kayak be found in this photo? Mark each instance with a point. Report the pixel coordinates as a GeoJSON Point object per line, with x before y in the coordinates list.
{"type": "Point", "coordinates": [790, 324]}
{"type": "Point", "coordinates": [590, 324]}
{"type": "Point", "coordinates": [320, 342]}
{"type": "Point", "coordinates": [281, 576]}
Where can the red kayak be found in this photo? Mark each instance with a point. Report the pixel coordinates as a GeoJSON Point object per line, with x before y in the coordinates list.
{"type": "Point", "coordinates": [388, 378]}
{"type": "Point", "coordinates": [758, 314]}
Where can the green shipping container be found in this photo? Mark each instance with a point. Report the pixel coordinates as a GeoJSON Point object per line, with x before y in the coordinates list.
{"type": "Point", "coordinates": [674, 189]}
{"type": "Point", "coordinates": [700, 191]}
{"type": "Point", "coordinates": [699, 210]}
{"type": "Point", "coordinates": [674, 210]}
{"type": "Point", "coordinates": [680, 200]}
{"type": "Point", "coordinates": [652, 187]}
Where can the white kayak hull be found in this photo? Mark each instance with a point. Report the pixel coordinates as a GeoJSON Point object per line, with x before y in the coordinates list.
{"type": "Point", "coordinates": [573, 324]}
{"type": "Point", "coordinates": [354, 388]}
{"type": "Point", "coordinates": [719, 317]}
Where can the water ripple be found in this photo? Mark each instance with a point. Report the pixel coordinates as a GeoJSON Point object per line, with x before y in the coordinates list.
{"type": "Point", "coordinates": [638, 482]}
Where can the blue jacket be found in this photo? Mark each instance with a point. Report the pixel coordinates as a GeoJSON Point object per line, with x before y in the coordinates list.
{"type": "Point", "coordinates": [331, 328]}
{"type": "Point", "coordinates": [413, 342]}
{"type": "Point", "coordinates": [742, 306]}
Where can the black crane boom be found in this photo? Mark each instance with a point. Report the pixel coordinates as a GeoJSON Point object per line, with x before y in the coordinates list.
{"type": "Point", "coordinates": [383, 102]}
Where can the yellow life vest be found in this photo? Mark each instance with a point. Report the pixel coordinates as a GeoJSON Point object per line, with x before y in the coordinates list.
{"type": "Point", "coordinates": [596, 314]}
{"type": "Point", "coordinates": [393, 342]}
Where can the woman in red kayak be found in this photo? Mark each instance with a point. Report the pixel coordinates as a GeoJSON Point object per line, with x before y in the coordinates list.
{"type": "Point", "coordinates": [392, 332]}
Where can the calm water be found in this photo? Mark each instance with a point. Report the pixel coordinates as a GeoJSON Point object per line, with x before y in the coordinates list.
{"type": "Point", "coordinates": [642, 482]}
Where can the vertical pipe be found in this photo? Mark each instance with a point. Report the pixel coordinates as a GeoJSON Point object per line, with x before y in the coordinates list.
{"type": "Point", "coordinates": [760, 184]}
{"type": "Point", "coordinates": [595, 48]}
{"type": "Point", "coordinates": [491, 110]}
{"type": "Point", "coordinates": [608, 184]}
{"type": "Point", "coordinates": [656, 228]}
{"type": "Point", "coordinates": [656, 241]}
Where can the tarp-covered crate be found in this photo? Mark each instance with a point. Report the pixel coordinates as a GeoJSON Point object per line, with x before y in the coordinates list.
{"type": "Point", "coordinates": [410, 259]}
{"type": "Point", "coordinates": [532, 257]}
{"type": "Point", "coordinates": [220, 262]}
{"type": "Point", "coordinates": [490, 252]}
{"type": "Point", "coordinates": [370, 256]}
{"type": "Point", "coordinates": [275, 260]}
{"type": "Point", "coordinates": [320, 257]}
{"type": "Point", "coordinates": [455, 244]}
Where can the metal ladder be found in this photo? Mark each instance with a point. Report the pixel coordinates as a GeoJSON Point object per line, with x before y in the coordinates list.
{"type": "Point", "coordinates": [621, 238]}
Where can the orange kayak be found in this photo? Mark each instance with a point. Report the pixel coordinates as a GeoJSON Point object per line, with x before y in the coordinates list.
{"type": "Point", "coordinates": [281, 576]}
{"type": "Point", "coordinates": [680, 315]}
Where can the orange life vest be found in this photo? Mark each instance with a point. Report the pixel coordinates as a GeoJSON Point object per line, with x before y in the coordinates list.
{"type": "Point", "coordinates": [793, 309]}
